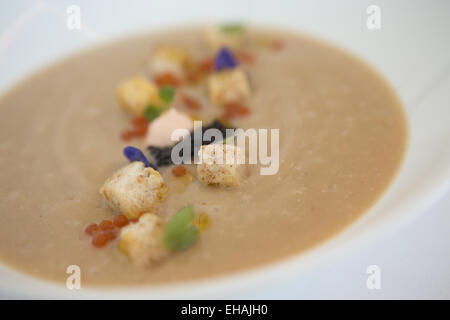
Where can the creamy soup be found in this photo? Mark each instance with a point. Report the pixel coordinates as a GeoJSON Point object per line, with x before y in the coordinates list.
{"type": "Point", "coordinates": [342, 139]}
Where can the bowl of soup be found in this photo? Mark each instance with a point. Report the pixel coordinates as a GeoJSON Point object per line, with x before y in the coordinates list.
{"type": "Point", "coordinates": [202, 159]}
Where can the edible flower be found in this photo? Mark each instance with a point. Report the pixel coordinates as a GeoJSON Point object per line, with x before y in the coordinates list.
{"type": "Point", "coordinates": [202, 222]}
{"type": "Point", "coordinates": [134, 154]}
{"type": "Point", "coordinates": [180, 232]}
{"type": "Point", "coordinates": [224, 60]}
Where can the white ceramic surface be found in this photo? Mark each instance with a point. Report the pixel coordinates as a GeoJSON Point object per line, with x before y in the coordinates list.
{"type": "Point", "coordinates": [411, 50]}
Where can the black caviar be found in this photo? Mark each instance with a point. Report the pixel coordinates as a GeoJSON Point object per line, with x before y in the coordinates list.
{"type": "Point", "coordinates": [162, 155]}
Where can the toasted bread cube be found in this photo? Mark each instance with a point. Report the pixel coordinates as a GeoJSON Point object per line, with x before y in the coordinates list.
{"type": "Point", "coordinates": [220, 164]}
{"type": "Point", "coordinates": [224, 36]}
{"type": "Point", "coordinates": [228, 86]}
{"type": "Point", "coordinates": [170, 60]}
{"type": "Point", "coordinates": [136, 93]}
{"type": "Point", "coordinates": [142, 242]}
{"type": "Point", "coordinates": [134, 189]}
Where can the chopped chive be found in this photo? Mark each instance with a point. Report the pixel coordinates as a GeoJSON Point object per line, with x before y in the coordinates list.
{"type": "Point", "coordinates": [166, 94]}
{"type": "Point", "coordinates": [180, 233]}
{"type": "Point", "coordinates": [152, 112]}
{"type": "Point", "coordinates": [134, 154]}
{"type": "Point", "coordinates": [232, 28]}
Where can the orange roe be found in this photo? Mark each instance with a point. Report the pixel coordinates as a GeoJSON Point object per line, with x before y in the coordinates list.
{"type": "Point", "coordinates": [179, 171]}
{"type": "Point", "coordinates": [139, 121]}
{"type": "Point", "coordinates": [100, 240]}
{"type": "Point", "coordinates": [167, 79]}
{"type": "Point", "coordinates": [245, 57]}
{"type": "Point", "coordinates": [91, 229]}
{"type": "Point", "coordinates": [277, 45]}
{"type": "Point", "coordinates": [106, 230]}
{"type": "Point", "coordinates": [140, 131]}
{"type": "Point", "coordinates": [190, 102]}
{"type": "Point", "coordinates": [110, 235]}
{"type": "Point", "coordinates": [120, 221]}
{"type": "Point", "coordinates": [127, 135]}
{"type": "Point", "coordinates": [106, 225]}
{"type": "Point", "coordinates": [199, 71]}
{"type": "Point", "coordinates": [206, 65]}
{"type": "Point", "coordinates": [194, 76]}
{"type": "Point", "coordinates": [134, 220]}
{"type": "Point", "coordinates": [140, 125]}
{"type": "Point", "coordinates": [235, 109]}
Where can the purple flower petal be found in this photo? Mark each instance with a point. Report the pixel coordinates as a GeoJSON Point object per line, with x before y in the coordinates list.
{"type": "Point", "coordinates": [224, 60]}
{"type": "Point", "coordinates": [134, 154]}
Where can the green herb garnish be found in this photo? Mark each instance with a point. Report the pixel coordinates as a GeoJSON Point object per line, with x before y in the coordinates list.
{"type": "Point", "coordinates": [166, 94]}
{"type": "Point", "coordinates": [232, 28]}
{"type": "Point", "coordinates": [180, 233]}
{"type": "Point", "coordinates": [152, 112]}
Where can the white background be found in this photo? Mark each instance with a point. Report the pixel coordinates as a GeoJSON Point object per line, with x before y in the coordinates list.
{"type": "Point", "coordinates": [414, 260]}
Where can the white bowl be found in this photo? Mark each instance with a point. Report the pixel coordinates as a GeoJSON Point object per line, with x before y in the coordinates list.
{"type": "Point", "coordinates": [412, 56]}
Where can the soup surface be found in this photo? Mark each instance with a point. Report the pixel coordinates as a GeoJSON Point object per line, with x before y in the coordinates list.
{"type": "Point", "coordinates": [342, 139]}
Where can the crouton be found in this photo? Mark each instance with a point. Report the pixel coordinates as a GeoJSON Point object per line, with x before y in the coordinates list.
{"type": "Point", "coordinates": [136, 93]}
{"type": "Point", "coordinates": [228, 86]}
{"type": "Point", "coordinates": [134, 189]}
{"type": "Point", "coordinates": [231, 36]}
{"type": "Point", "coordinates": [142, 242]}
{"type": "Point", "coordinates": [170, 60]}
{"type": "Point", "coordinates": [220, 164]}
